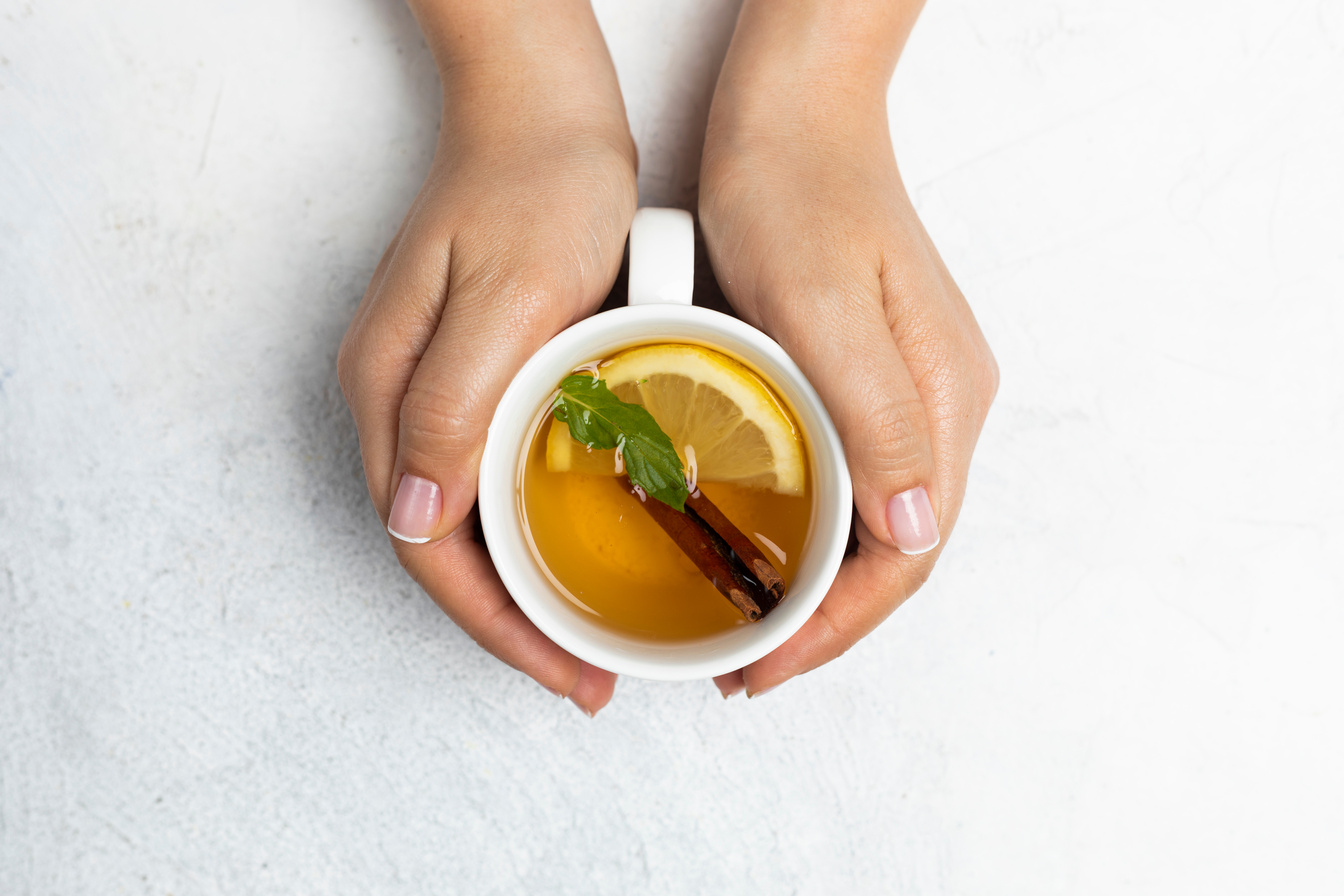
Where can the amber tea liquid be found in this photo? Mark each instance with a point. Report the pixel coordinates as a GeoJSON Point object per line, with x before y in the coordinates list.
{"type": "Point", "coordinates": [608, 557]}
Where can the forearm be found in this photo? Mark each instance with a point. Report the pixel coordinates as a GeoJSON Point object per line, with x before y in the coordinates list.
{"type": "Point", "coordinates": [826, 59]}
{"type": "Point", "coordinates": [521, 60]}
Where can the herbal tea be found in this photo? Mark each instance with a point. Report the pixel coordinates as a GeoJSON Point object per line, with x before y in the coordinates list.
{"type": "Point", "coordinates": [707, 482]}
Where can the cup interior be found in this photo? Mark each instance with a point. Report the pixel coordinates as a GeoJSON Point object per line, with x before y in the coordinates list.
{"type": "Point", "coordinates": [572, 628]}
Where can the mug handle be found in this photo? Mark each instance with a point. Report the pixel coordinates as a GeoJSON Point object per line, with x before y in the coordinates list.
{"type": "Point", "coordinates": [662, 257]}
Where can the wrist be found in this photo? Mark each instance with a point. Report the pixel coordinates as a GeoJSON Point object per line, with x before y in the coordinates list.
{"type": "Point", "coordinates": [522, 67]}
{"type": "Point", "coordinates": [471, 33]}
{"type": "Point", "coordinates": [830, 60]}
{"type": "Point", "coordinates": [862, 38]}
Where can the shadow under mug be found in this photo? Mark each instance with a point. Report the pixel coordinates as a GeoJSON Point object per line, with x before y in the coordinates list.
{"type": "Point", "coordinates": [660, 310]}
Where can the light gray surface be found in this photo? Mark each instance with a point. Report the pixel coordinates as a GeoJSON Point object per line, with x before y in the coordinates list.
{"type": "Point", "coordinates": [1123, 677]}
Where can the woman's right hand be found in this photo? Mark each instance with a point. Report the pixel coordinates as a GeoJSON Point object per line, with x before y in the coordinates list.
{"type": "Point", "coordinates": [517, 233]}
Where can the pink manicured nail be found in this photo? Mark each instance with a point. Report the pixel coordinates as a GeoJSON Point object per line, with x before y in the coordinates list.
{"type": "Point", "coordinates": [910, 517]}
{"type": "Point", "coordinates": [415, 510]}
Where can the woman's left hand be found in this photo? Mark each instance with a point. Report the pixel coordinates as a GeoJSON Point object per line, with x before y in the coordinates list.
{"type": "Point", "coordinates": [814, 240]}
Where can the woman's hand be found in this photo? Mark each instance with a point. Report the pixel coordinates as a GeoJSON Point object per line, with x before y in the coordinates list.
{"type": "Point", "coordinates": [814, 240]}
{"type": "Point", "coordinates": [517, 233]}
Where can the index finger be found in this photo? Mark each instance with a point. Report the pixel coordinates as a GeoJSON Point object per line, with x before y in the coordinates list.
{"type": "Point", "coordinates": [868, 588]}
{"type": "Point", "coordinates": [456, 571]}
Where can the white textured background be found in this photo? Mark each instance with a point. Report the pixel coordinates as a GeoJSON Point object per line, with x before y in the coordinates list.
{"type": "Point", "coordinates": [1125, 676]}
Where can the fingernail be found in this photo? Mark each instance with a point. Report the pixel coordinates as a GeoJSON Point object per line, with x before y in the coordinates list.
{"type": "Point", "coordinates": [555, 691]}
{"type": "Point", "coordinates": [415, 510]}
{"type": "Point", "coordinates": [910, 518]}
{"type": "Point", "coordinates": [586, 711]}
{"type": "Point", "coordinates": [730, 684]}
{"type": "Point", "coordinates": [752, 695]}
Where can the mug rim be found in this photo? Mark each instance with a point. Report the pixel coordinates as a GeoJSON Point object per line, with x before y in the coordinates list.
{"type": "Point", "coordinates": [520, 570]}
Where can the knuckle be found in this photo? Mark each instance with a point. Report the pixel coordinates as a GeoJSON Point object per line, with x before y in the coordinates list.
{"type": "Point", "coordinates": [979, 381]}
{"type": "Point", "coordinates": [535, 300]}
{"type": "Point", "coordinates": [526, 301]}
{"type": "Point", "coordinates": [436, 427]}
{"type": "Point", "coordinates": [896, 433]}
{"type": "Point", "coordinates": [349, 366]}
{"type": "Point", "coordinates": [962, 380]}
{"type": "Point", "coordinates": [899, 580]}
{"type": "Point", "coordinates": [987, 378]}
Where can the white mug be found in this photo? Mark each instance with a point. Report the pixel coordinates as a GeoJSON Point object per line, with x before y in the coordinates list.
{"type": "Point", "coordinates": [662, 255]}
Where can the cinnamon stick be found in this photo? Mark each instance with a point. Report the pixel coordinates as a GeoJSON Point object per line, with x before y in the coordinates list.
{"type": "Point", "coordinates": [709, 538]}
{"type": "Point", "coordinates": [762, 569]}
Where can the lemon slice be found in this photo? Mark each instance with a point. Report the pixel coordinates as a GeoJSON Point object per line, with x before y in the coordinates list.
{"type": "Point", "coordinates": [736, 429]}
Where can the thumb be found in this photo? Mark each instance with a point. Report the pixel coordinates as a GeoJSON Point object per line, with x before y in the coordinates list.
{"type": "Point", "coordinates": [488, 331]}
{"type": "Point", "coordinates": [848, 353]}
